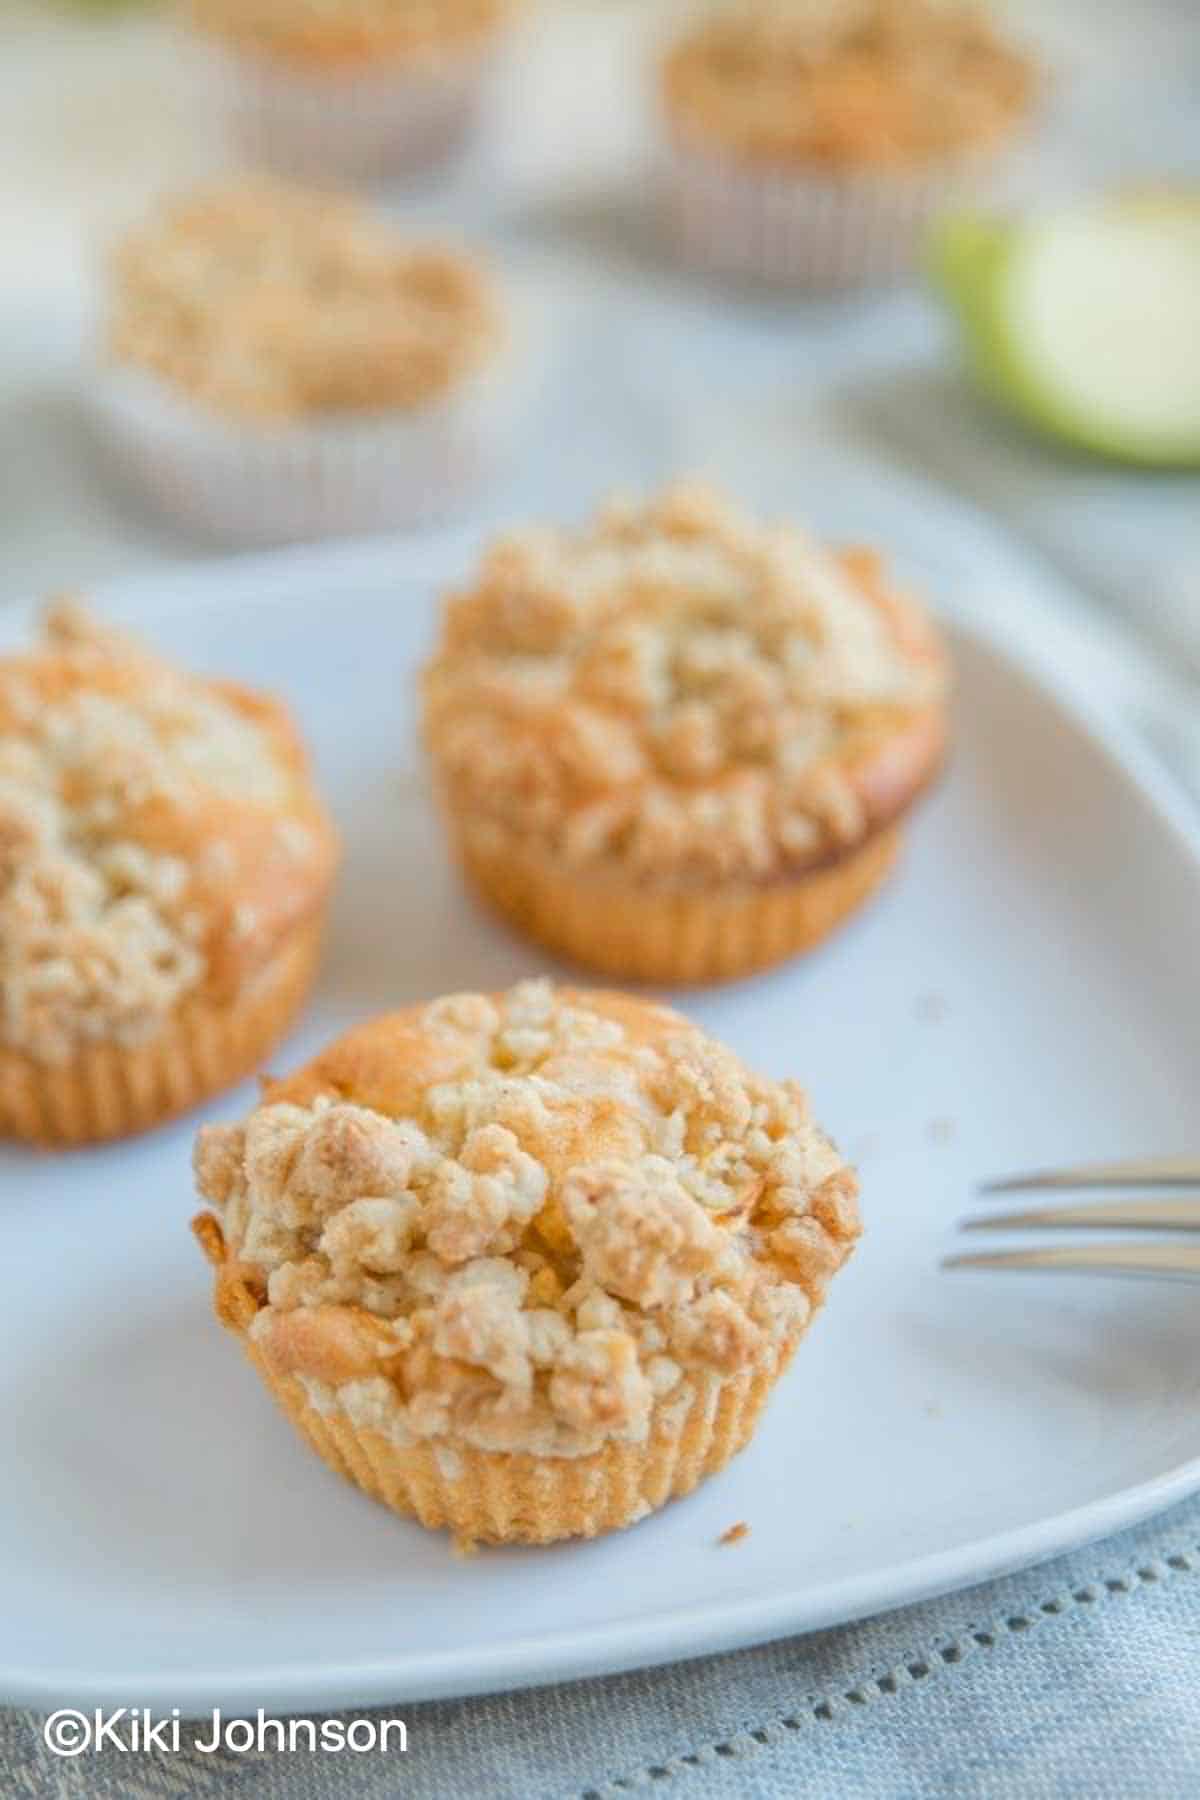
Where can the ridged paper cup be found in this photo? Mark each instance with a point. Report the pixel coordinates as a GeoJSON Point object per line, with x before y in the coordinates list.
{"type": "Point", "coordinates": [109, 1091]}
{"type": "Point", "coordinates": [673, 936]}
{"type": "Point", "coordinates": [809, 231]}
{"type": "Point", "coordinates": [345, 124]}
{"type": "Point", "coordinates": [495, 1497]}
{"type": "Point", "coordinates": [247, 485]}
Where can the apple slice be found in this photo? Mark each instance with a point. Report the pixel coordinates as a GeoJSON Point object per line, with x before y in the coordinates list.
{"type": "Point", "coordinates": [1087, 323]}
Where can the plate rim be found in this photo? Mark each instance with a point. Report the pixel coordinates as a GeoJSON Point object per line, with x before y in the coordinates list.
{"type": "Point", "coordinates": [695, 1631]}
{"type": "Point", "coordinates": [553, 1658]}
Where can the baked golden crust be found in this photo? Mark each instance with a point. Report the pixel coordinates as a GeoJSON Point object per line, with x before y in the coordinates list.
{"type": "Point", "coordinates": [679, 698]}
{"type": "Point", "coordinates": [676, 937]}
{"type": "Point", "coordinates": [267, 302]}
{"type": "Point", "coordinates": [314, 35]}
{"type": "Point", "coordinates": [505, 1497]}
{"type": "Point", "coordinates": [105, 1090]}
{"type": "Point", "coordinates": [160, 842]}
{"type": "Point", "coordinates": [520, 1223]}
{"type": "Point", "coordinates": [846, 85]}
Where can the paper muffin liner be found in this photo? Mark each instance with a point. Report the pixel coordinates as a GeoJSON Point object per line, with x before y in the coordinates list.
{"type": "Point", "coordinates": [494, 1497]}
{"type": "Point", "coordinates": [242, 485]}
{"type": "Point", "coordinates": [339, 124]}
{"type": "Point", "coordinates": [791, 228]}
{"type": "Point", "coordinates": [111, 1090]}
{"type": "Point", "coordinates": [681, 937]}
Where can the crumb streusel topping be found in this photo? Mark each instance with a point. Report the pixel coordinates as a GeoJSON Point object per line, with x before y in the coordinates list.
{"type": "Point", "coordinates": [344, 33]}
{"type": "Point", "coordinates": [521, 1220]}
{"type": "Point", "coordinates": [847, 83]}
{"type": "Point", "coordinates": [156, 834]}
{"type": "Point", "coordinates": [679, 694]}
{"type": "Point", "coordinates": [269, 303]}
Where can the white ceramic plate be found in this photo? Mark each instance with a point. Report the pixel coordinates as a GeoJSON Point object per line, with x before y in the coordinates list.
{"type": "Point", "coordinates": [1027, 991]}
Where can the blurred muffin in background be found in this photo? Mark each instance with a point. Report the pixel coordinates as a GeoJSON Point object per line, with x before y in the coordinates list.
{"type": "Point", "coordinates": [165, 866]}
{"type": "Point", "coordinates": [282, 363]}
{"type": "Point", "coordinates": [810, 142]}
{"type": "Point", "coordinates": [350, 88]}
{"type": "Point", "coordinates": [677, 745]}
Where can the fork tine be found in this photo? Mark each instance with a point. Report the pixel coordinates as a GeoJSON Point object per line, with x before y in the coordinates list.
{"type": "Point", "coordinates": [1145, 1213]}
{"type": "Point", "coordinates": [1155, 1171]}
{"type": "Point", "coordinates": [1179, 1260]}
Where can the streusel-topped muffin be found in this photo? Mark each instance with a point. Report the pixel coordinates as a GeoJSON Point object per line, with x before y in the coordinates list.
{"type": "Point", "coordinates": [350, 89]}
{"type": "Point", "coordinates": [847, 83]}
{"type": "Point", "coordinates": [266, 302]}
{"type": "Point", "coordinates": [675, 744]}
{"type": "Point", "coordinates": [164, 868]}
{"type": "Point", "coordinates": [525, 1265]}
{"type": "Point", "coordinates": [812, 140]}
{"type": "Point", "coordinates": [347, 32]}
{"type": "Point", "coordinates": [283, 362]}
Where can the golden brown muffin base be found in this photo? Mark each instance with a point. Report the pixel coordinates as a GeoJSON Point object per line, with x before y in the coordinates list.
{"type": "Point", "coordinates": [676, 937]}
{"type": "Point", "coordinates": [494, 1497]}
{"type": "Point", "coordinates": [112, 1091]}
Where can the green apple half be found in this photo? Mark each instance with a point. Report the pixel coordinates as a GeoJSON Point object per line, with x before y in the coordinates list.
{"type": "Point", "coordinates": [1087, 323]}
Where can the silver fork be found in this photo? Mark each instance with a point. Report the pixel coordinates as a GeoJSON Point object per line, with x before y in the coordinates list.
{"type": "Point", "coordinates": [1168, 1208]}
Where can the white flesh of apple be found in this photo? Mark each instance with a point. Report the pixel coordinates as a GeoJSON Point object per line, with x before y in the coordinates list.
{"type": "Point", "coordinates": [1103, 312]}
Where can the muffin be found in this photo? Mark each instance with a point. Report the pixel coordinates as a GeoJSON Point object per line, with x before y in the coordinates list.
{"type": "Point", "coordinates": [359, 88]}
{"type": "Point", "coordinates": [164, 867]}
{"type": "Point", "coordinates": [676, 746]}
{"type": "Point", "coordinates": [811, 142]}
{"type": "Point", "coordinates": [525, 1266]}
{"type": "Point", "coordinates": [281, 363]}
